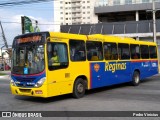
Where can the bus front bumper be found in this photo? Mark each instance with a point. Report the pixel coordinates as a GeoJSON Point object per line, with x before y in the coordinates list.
{"type": "Point", "coordinates": [35, 92]}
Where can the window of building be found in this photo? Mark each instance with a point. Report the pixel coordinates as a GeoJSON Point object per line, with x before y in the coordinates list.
{"type": "Point", "coordinates": [61, 12]}
{"type": "Point", "coordinates": [88, 17]}
{"type": "Point", "coordinates": [123, 51]}
{"type": "Point", "coordinates": [116, 2]}
{"type": "Point", "coordinates": [83, 7]}
{"type": "Point", "coordinates": [77, 50]}
{"type": "Point", "coordinates": [144, 51]}
{"type": "Point", "coordinates": [110, 51]}
{"type": "Point", "coordinates": [88, 6]}
{"type": "Point", "coordinates": [94, 51]}
{"type": "Point", "coordinates": [83, 12]}
{"type": "Point", "coordinates": [66, 18]}
{"type": "Point", "coordinates": [153, 51]}
{"type": "Point", "coordinates": [83, 1]}
{"type": "Point", "coordinates": [61, 7]}
{"type": "Point", "coordinates": [88, 1]}
{"type": "Point", "coordinates": [135, 52]}
{"type": "Point", "coordinates": [128, 1]}
{"type": "Point", "coordinates": [88, 12]}
{"type": "Point", "coordinates": [62, 18]}
{"type": "Point", "coordinates": [145, 1]}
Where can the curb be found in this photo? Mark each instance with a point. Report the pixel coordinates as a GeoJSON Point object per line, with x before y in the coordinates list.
{"type": "Point", "coordinates": [4, 76]}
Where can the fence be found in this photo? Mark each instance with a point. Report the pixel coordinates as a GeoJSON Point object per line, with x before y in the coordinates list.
{"type": "Point", "coordinates": [127, 27]}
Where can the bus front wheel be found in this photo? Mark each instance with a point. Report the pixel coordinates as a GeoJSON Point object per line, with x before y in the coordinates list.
{"type": "Point", "coordinates": [135, 78]}
{"type": "Point", "coordinates": [79, 88]}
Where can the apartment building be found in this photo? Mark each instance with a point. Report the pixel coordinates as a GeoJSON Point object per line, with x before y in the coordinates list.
{"type": "Point", "coordinates": [73, 12]}
{"type": "Point", "coordinates": [130, 18]}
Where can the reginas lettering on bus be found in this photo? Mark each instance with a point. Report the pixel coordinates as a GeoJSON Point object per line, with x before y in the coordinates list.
{"type": "Point", "coordinates": [115, 66]}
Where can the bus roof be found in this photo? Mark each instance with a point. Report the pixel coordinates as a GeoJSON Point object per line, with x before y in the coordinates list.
{"type": "Point", "coordinates": [109, 38]}
{"type": "Point", "coordinates": [95, 37]}
{"type": "Point", "coordinates": [67, 36]}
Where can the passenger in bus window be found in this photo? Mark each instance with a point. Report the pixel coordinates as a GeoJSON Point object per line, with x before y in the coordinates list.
{"type": "Point", "coordinates": [35, 63]}
{"type": "Point", "coordinates": [135, 56]}
{"type": "Point", "coordinates": [55, 59]}
{"type": "Point", "coordinates": [94, 57]}
{"type": "Point", "coordinates": [107, 55]}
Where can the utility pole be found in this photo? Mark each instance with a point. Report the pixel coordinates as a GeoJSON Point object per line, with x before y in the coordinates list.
{"type": "Point", "coordinates": [154, 21]}
{"type": "Point", "coordinates": [3, 36]}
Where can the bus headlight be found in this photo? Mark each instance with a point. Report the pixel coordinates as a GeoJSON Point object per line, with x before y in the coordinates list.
{"type": "Point", "coordinates": [40, 82]}
{"type": "Point", "coordinates": [12, 82]}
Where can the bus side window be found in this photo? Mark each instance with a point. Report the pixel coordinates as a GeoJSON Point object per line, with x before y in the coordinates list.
{"type": "Point", "coordinates": [94, 51]}
{"type": "Point", "coordinates": [135, 51]}
{"type": "Point", "coordinates": [77, 50]}
{"type": "Point", "coordinates": [153, 51]}
{"type": "Point", "coordinates": [123, 51]}
{"type": "Point", "coordinates": [144, 51]}
{"type": "Point", "coordinates": [110, 51]}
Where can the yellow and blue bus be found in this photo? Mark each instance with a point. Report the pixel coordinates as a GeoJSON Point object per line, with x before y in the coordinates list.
{"type": "Point", "coordinates": [47, 64]}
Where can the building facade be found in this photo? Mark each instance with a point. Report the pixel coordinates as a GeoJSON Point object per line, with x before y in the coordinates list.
{"type": "Point", "coordinates": [72, 12]}
{"type": "Point", "coordinates": [136, 11]}
{"type": "Point", "coordinates": [128, 18]}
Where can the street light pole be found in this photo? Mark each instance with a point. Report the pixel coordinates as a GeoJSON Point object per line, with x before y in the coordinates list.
{"type": "Point", "coordinates": [154, 21]}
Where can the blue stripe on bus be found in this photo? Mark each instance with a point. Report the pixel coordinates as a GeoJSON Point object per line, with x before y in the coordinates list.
{"type": "Point", "coordinates": [27, 81]}
{"type": "Point", "coordinates": [110, 73]}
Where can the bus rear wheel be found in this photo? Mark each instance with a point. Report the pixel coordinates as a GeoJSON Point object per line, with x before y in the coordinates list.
{"type": "Point", "coordinates": [79, 88]}
{"type": "Point", "coordinates": [135, 78]}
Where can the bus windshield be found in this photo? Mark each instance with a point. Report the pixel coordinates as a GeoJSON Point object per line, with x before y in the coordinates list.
{"type": "Point", "coordinates": [28, 59]}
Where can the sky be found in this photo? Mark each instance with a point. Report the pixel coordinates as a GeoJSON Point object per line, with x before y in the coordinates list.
{"type": "Point", "coordinates": [10, 18]}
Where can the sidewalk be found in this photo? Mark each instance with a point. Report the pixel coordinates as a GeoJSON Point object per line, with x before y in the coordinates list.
{"type": "Point", "coordinates": [5, 76]}
{"type": "Point", "coordinates": [6, 72]}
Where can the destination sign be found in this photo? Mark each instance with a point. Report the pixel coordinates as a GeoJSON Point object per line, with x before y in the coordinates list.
{"type": "Point", "coordinates": [29, 39]}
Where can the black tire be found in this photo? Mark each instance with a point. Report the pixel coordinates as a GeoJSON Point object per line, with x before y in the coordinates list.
{"type": "Point", "coordinates": [135, 78]}
{"type": "Point", "coordinates": [79, 88]}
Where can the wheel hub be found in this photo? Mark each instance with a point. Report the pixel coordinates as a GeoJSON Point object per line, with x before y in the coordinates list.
{"type": "Point", "coordinates": [80, 88]}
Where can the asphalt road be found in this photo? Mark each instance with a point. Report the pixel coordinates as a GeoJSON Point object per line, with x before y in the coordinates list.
{"type": "Point", "coordinates": [145, 97]}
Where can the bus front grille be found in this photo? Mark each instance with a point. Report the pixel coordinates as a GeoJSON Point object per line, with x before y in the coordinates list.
{"type": "Point", "coordinates": [25, 79]}
{"type": "Point", "coordinates": [25, 90]}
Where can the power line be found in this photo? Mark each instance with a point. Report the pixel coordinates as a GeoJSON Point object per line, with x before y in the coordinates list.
{"type": "Point", "coordinates": [22, 2]}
